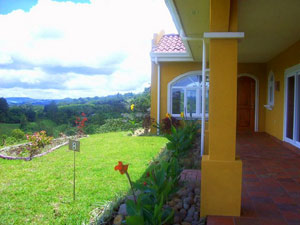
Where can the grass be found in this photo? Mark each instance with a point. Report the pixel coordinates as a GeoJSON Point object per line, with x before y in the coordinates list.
{"type": "Point", "coordinates": [40, 191]}
{"type": "Point", "coordinates": [6, 128]}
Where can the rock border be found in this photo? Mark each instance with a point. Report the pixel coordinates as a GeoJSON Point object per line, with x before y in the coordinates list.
{"type": "Point", "coordinates": [35, 156]}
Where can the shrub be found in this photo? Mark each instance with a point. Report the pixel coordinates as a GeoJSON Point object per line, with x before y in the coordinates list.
{"type": "Point", "coordinates": [70, 131]}
{"type": "Point", "coordinates": [90, 129]}
{"type": "Point", "coordinates": [47, 125]}
{"type": "Point", "coordinates": [167, 123]}
{"type": "Point", "coordinates": [38, 140]}
{"type": "Point", "coordinates": [18, 134]}
{"type": "Point", "coordinates": [80, 123]}
{"type": "Point", "coordinates": [160, 183]}
{"type": "Point", "coordinates": [113, 125]}
{"type": "Point", "coordinates": [31, 127]}
{"type": "Point", "coordinates": [3, 138]}
{"type": "Point", "coordinates": [10, 141]}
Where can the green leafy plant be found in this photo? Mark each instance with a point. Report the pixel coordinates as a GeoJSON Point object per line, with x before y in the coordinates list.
{"type": "Point", "coordinates": [113, 125]}
{"type": "Point", "coordinates": [167, 123]}
{"type": "Point", "coordinates": [132, 119]}
{"type": "Point", "coordinates": [159, 184]}
{"type": "Point", "coordinates": [18, 134]}
{"type": "Point", "coordinates": [37, 140]}
{"type": "Point", "coordinates": [3, 138]}
{"type": "Point", "coordinates": [180, 141]}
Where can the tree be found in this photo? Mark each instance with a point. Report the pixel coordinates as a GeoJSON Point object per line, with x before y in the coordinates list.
{"type": "Point", "coordinates": [23, 122]}
{"type": "Point", "coordinates": [51, 110]}
{"type": "Point", "coordinates": [3, 105]}
{"type": "Point", "coordinates": [3, 109]}
{"type": "Point", "coordinates": [30, 113]}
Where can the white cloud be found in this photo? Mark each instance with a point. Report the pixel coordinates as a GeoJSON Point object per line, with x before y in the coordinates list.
{"type": "Point", "coordinates": [83, 35]}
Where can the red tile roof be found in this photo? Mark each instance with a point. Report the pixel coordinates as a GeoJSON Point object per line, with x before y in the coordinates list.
{"type": "Point", "coordinates": [169, 43]}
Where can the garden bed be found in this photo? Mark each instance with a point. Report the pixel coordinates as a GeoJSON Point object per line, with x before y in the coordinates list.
{"type": "Point", "coordinates": [161, 196]}
{"type": "Point", "coordinates": [20, 151]}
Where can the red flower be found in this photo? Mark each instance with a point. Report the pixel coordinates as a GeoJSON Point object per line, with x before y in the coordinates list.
{"type": "Point", "coordinates": [83, 114]}
{"type": "Point", "coordinates": [122, 168]}
{"type": "Point", "coordinates": [148, 174]}
{"type": "Point", "coordinates": [145, 183]}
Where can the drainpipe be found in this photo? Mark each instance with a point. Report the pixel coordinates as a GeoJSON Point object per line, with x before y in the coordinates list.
{"type": "Point", "coordinates": [158, 95]}
{"type": "Point", "coordinates": [203, 96]}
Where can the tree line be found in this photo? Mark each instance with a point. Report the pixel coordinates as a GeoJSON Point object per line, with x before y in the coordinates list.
{"type": "Point", "coordinates": [60, 117]}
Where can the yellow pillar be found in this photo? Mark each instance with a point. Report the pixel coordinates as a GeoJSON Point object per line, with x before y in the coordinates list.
{"type": "Point", "coordinates": [221, 171]}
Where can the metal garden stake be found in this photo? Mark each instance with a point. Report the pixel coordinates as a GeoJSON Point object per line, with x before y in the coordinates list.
{"type": "Point", "coordinates": [75, 147]}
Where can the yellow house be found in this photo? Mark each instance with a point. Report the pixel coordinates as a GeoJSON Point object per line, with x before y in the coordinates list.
{"type": "Point", "coordinates": [247, 53]}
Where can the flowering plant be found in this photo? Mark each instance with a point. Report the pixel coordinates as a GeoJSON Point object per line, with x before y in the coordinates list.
{"type": "Point", "coordinates": [123, 170]}
{"type": "Point", "coordinates": [132, 120]}
{"type": "Point", "coordinates": [80, 122]}
{"type": "Point", "coordinates": [168, 122]}
{"type": "Point", "coordinates": [38, 140]}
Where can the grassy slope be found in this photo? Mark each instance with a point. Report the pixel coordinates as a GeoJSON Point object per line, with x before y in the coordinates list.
{"type": "Point", "coordinates": [6, 128]}
{"type": "Point", "coordinates": [40, 191]}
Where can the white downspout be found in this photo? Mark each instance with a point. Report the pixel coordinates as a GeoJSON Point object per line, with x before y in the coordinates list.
{"type": "Point", "coordinates": [203, 96]}
{"type": "Point", "coordinates": [203, 85]}
{"type": "Point", "coordinates": [158, 95]}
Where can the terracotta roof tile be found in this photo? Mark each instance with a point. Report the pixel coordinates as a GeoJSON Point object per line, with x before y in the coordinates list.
{"type": "Point", "coordinates": [169, 43]}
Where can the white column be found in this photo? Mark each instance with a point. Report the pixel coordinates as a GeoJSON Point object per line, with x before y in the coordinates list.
{"type": "Point", "coordinates": [158, 96]}
{"type": "Point", "coordinates": [203, 96]}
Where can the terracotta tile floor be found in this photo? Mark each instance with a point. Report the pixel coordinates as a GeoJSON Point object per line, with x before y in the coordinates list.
{"type": "Point", "coordinates": [271, 183]}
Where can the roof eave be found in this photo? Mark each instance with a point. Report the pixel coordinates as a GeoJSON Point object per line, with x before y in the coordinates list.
{"type": "Point", "coordinates": [178, 24]}
{"type": "Point", "coordinates": [171, 57]}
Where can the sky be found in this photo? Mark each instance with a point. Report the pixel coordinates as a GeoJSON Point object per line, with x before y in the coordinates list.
{"type": "Point", "coordinates": [80, 48]}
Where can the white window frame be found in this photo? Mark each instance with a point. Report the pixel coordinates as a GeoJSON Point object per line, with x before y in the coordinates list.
{"type": "Point", "coordinates": [198, 114]}
{"type": "Point", "coordinates": [292, 72]}
{"type": "Point", "coordinates": [271, 92]}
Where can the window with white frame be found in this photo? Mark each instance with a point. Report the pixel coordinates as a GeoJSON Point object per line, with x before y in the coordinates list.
{"type": "Point", "coordinates": [271, 89]}
{"type": "Point", "coordinates": [185, 95]}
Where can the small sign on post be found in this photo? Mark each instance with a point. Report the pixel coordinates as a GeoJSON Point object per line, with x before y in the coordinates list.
{"type": "Point", "coordinates": [75, 147]}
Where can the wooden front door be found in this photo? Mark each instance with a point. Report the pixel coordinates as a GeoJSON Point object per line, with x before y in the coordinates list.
{"type": "Point", "coordinates": [245, 104]}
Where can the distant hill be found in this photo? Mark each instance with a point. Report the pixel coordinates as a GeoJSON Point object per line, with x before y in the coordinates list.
{"type": "Point", "coordinates": [16, 101]}
{"type": "Point", "coordinates": [25, 100]}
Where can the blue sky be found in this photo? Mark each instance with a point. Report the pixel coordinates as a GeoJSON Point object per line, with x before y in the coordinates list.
{"type": "Point", "coordinates": [83, 48]}
{"type": "Point", "coordinates": [7, 6]}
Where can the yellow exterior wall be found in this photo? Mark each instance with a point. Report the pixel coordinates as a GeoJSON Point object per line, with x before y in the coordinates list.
{"type": "Point", "coordinates": [274, 118]}
{"type": "Point", "coordinates": [168, 71]}
{"type": "Point", "coordinates": [257, 70]}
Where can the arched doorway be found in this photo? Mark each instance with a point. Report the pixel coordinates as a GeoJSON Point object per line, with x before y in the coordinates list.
{"type": "Point", "coordinates": [247, 103]}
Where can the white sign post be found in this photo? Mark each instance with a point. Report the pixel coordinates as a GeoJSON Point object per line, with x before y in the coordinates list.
{"type": "Point", "coordinates": [75, 147]}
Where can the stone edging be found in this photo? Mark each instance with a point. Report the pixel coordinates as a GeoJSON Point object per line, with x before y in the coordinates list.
{"type": "Point", "coordinates": [36, 156]}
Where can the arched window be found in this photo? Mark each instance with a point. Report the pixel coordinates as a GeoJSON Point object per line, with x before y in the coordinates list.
{"type": "Point", "coordinates": [271, 89]}
{"type": "Point", "coordinates": [185, 95]}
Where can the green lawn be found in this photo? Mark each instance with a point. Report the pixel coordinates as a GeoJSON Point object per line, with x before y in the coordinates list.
{"type": "Point", "coordinates": [6, 128]}
{"type": "Point", "coordinates": [40, 191]}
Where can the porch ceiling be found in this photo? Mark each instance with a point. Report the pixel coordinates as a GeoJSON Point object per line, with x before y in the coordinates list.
{"type": "Point", "coordinates": [194, 16]}
{"type": "Point", "coordinates": [270, 26]}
